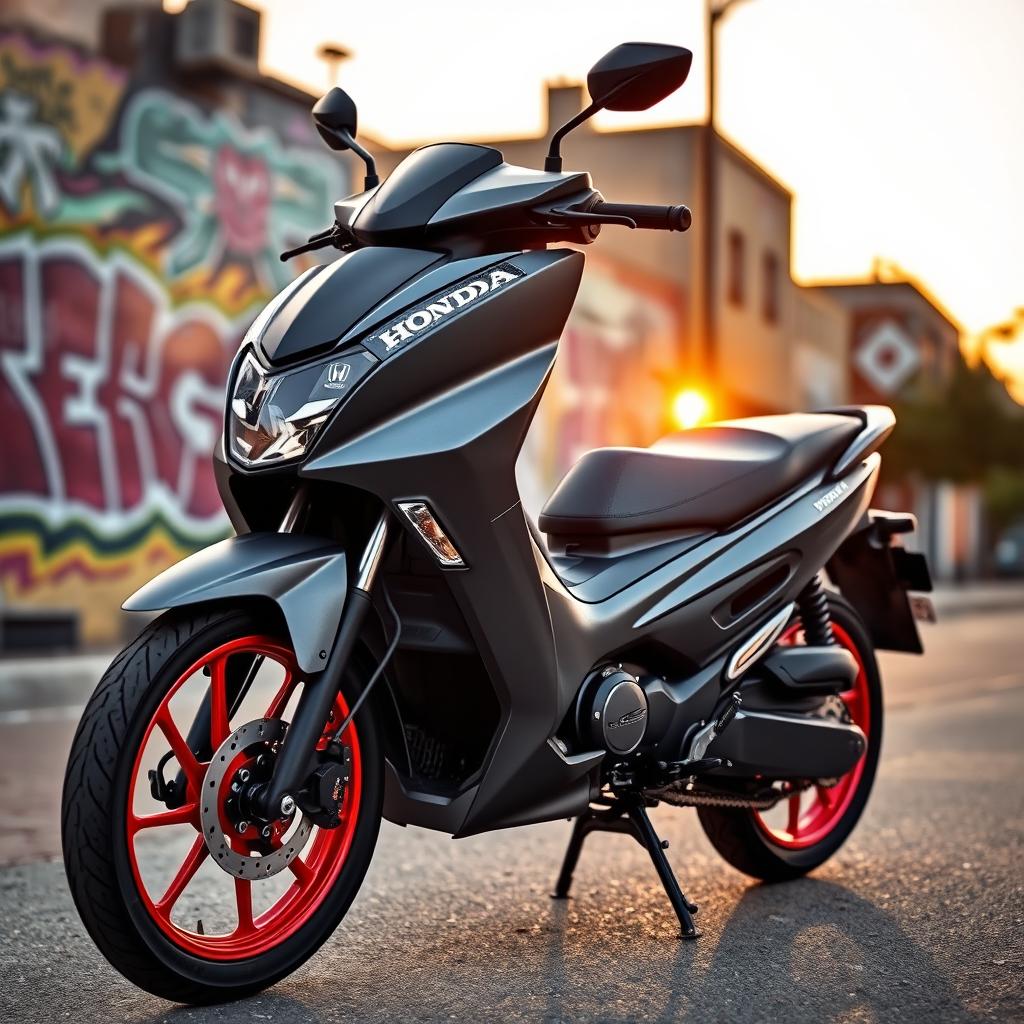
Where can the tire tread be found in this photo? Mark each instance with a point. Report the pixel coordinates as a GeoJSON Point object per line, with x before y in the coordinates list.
{"type": "Point", "coordinates": [92, 788]}
{"type": "Point", "coordinates": [88, 796]}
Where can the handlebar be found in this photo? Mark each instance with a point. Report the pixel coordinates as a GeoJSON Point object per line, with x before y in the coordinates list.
{"type": "Point", "coordinates": [655, 218]}
{"type": "Point", "coordinates": [585, 217]}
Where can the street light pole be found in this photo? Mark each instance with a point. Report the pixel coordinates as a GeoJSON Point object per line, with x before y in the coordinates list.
{"type": "Point", "coordinates": [332, 55]}
{"type": "Point", "coordinates": [715, 10]}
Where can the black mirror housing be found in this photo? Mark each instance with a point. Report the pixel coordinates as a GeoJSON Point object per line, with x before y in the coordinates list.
{"type": "Point", "coordinates": [635, 76]}
{"type": "Point", "coordinates": [335, 117]}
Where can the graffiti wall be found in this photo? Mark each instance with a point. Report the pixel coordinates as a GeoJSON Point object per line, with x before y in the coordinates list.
{"type": "Point", "coordinates": [139, 235]}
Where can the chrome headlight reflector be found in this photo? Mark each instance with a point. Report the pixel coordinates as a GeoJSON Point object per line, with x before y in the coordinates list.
{"type": "Point", "coordinates": [275, 417]}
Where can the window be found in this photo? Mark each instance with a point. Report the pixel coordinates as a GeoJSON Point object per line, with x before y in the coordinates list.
{"type": "Point", "coordinates": [247, 34]}
{"type": "Point", "coordinates": [770, 288]}
{"type": "Point", "coordinates": [734, 271]}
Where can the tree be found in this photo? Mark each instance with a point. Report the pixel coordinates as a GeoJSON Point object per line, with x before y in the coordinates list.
{"type": "Point", "coordinates": [958, 431]}
{"type": "Point", "coordinates": [967, 431]}
{"type": "Point", "coordinates": [1004, 498]}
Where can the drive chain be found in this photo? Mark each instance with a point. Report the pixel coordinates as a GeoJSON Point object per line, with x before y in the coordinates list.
{"type": "Point", "coordinates": [677, 795]}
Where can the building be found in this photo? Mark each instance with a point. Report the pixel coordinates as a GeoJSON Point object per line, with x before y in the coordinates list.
{"type": "Point", "coordinates": [149, 177]}
{"type": "Point", "coordinates": [898, 334]}
{"type": "Point", "coordinates": [901, 337]}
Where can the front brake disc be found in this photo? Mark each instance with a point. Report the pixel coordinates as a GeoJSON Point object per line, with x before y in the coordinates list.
{"type": "Point", "coordinates": [253, 739]}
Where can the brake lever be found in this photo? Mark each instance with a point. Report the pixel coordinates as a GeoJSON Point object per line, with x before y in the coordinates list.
{"type": "Point", "coordinates": [322, 240]}
{"type": "Point", "coordinates": [320, 243]}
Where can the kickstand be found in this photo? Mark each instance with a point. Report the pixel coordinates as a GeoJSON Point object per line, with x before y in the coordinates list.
{"type": "Point", "coordinates": [627, 814]}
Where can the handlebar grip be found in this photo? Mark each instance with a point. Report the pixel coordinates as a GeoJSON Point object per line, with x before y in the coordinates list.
{"type": "Point", "coordinates": [655, 218]}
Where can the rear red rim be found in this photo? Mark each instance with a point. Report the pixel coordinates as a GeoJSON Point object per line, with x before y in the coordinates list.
{"type": "Point", "coordinates": [813, 814]}
{"type": "Point", "coordinates": [314, 872]}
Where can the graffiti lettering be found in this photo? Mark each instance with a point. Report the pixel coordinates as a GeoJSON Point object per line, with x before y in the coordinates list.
{"type": "Point", "coordinates": [122, 399]}
{"type": "Point", "coordinates": [29, 151]}
{"type": "Point", "coordinates": [139, 235]}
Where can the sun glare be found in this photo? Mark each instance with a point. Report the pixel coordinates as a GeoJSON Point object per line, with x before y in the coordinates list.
{"type": "Point", "coordinates": [690, 408]}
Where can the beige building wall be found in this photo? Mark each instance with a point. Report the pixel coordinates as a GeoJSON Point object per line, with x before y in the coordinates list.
{"type": "Point", "coordinates": [753, 358]}
{"type": "Point", "coordinates": [820, 369]}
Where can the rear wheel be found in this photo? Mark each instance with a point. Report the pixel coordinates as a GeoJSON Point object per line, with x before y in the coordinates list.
{"type": "Point", "coordinates": [807, 828]}
{"type": "Point", "coordinates": [191, 896]}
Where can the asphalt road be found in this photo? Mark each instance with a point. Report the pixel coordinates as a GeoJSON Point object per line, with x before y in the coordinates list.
{"type": "Point", "coordinates": [920, 917]}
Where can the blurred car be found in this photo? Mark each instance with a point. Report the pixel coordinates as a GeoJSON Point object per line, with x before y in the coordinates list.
{"type": "Point", "coordinates": [1009, 554]}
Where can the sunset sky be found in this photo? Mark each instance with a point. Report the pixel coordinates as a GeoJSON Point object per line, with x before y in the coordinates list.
{"type": "Point", "coordinates": [899, 124]}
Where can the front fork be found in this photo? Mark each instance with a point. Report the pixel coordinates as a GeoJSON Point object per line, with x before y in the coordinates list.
{"type": "Point", "coordinates": [318, 692]}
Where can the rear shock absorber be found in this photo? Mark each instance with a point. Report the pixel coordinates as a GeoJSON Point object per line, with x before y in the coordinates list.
{"type": "Point", "coordinates": [813, 607]}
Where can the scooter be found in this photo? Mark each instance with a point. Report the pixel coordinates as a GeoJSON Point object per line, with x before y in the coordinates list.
{"type": "Point", "coordinates": [390, 635]}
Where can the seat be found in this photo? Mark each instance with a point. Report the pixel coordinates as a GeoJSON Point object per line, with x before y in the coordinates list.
{"type": "Point", "coordinates": [710, 477]}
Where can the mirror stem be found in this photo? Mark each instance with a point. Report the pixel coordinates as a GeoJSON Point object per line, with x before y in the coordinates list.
{"type": "Point", "coordinates": [371, 180]}
{"type": "Point", "coordinates": [554, 158]}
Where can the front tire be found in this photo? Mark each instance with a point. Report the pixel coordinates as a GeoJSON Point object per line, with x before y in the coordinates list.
{"type": "Point", "coordinates": [152, 935]}
{"type": "Point", "coordinates": [817, 822]}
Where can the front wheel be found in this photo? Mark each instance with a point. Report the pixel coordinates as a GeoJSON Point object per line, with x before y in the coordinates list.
{"type": "Point", "coordinates": [805, 829]}
{"type": "Point", "coordinates": [185, 891]}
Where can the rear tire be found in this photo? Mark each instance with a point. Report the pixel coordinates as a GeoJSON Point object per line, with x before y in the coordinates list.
{"type": "Point", "coordinates": [98, 843]}
{"type": "Point", "coordinates": [741, 836]}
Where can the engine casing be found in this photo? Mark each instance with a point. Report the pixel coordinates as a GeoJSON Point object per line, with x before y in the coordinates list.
{"type": "Point", "coordinates": [613, 711]}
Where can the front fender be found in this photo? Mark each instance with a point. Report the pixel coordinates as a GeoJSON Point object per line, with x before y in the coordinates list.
{"type": "Point", "coordinates": [306, 577]}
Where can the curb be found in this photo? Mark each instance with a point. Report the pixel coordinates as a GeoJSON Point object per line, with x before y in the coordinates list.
{"type": "Point", "coordinates": [952, 603]}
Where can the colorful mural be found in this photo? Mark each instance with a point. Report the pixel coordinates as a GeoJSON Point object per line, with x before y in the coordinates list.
{"type": "Point", "coordinates": [139, 235]}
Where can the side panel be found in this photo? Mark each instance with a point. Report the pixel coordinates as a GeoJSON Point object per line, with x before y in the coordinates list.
{"type": "Point", "coordinates": [516, 319]}
{"type": "Point", "coordinates": [305, 576]}
{"type": "Point", "coordinates": [444, 424]}
{"type": "Point", "coordinates": [436, 278]}
{"type": "Point", "coordinates": [686, 607]}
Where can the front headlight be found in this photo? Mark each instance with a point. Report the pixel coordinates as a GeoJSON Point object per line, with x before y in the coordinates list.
{"type": "Point", "coordinates": [274, 418]}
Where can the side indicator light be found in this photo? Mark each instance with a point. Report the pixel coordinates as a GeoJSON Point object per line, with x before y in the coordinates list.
{"type": "Point", "coordinates": [422, 518]}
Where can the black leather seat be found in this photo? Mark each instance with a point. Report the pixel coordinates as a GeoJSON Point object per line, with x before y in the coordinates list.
{"type": "Point", "coordinates": [710, 477]}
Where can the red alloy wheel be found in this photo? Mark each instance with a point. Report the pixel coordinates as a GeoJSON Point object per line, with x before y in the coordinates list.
{"type": "Point", "coordinates": [813, 813]}
{"type": "Point", "coordinates": [315, 871]}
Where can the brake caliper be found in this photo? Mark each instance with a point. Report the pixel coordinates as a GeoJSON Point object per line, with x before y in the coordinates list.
{"type": "Point", "coordinates": [323, 796]}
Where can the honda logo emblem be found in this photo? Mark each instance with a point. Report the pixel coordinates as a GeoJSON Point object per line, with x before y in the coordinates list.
{"type": "Point", "coordinates": [337, 374]}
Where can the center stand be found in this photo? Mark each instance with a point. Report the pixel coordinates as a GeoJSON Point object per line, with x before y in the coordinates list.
{"type": "Point", "coordinates": [627, 813]}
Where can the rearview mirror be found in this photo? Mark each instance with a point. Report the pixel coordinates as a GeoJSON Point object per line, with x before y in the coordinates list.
{"type": "Point", "coordinates": [635, 76]}
{"type": "Point", "coordinates": [335, 117]}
